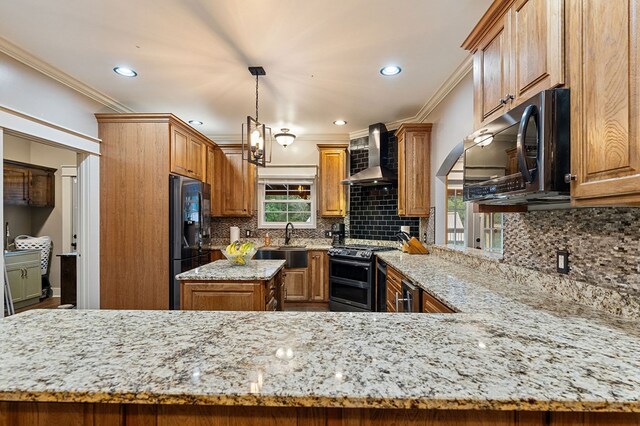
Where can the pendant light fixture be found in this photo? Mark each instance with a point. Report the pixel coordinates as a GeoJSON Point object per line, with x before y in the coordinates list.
{"type": "Point", "coordinates": [256, 137]}
{"type": "Point", "coordinates": [285, 138]}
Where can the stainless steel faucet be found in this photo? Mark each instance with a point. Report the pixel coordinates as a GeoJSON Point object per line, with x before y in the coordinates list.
{"type": "Point", "coordinates": [287, 233]}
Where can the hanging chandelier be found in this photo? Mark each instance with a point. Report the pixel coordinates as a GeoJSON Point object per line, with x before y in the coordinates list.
{"type": "Point", "coordinates": [256, 137]}
{"type": "Point", "coordinates": [285, 138]}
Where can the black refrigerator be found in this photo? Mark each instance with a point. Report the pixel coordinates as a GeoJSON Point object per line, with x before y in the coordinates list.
{"type": "Point", "coordinates": [189, 229]}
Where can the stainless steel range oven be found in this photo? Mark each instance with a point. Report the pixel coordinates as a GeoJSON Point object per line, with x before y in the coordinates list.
{"type": "Point", "coordinates": [352, 278]}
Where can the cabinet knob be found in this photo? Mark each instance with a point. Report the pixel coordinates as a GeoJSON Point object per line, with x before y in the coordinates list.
{"type": "Point", "coordinates": [569, 177]}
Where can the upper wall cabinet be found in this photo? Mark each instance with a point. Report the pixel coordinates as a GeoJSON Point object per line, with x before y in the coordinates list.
{"type": "Point", "coordinates": [518, 51]}
{"type": "Point", "coordinates": [234, 183]}
{"type": "Point", "coordinates": [332, 170]}
{"type": "Point", "coordinates": [604, 51]}
{"type": "Point", "coordinates": [414, 169]}
{"type": "Point", "coordinates": [28, 185]}
{"type": "Point", "coordinates": [187, 153]}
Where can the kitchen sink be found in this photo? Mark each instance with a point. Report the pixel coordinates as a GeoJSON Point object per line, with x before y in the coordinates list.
{"type": "Point", "coordinates": [295, 256]}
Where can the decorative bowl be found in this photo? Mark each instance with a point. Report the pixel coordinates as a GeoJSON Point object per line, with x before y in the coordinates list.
{"type": "Point", "coordinates": [240, 259]}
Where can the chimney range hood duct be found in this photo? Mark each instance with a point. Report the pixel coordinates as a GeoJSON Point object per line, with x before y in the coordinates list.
{"type": "Point", "coordinates": [377, 173]}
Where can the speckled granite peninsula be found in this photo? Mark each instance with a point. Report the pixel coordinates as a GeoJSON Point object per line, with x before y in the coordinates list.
{"type": "Point", "coordinates": [506, 349]}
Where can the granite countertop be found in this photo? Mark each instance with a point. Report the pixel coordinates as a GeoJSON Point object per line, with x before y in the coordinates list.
{"type": "Point", "coordinates": [223, 270]}
{"type": "Point", "coordinates": [507, 348]}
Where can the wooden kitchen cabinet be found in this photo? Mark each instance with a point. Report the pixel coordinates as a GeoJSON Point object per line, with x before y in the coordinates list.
{"type": "Point", "coordinates": [318, 276]}
{"type": "Point", "coordinates": [232, 295]}
{"type": "Point", "coordinates": [414, 169]}
{"type": "Point", "coordinates": [28, 185]}
{"type": "Point", "coordinates": [296, 287]}
{"type": "Point", "coordinates": [518, 51]}
{"type": "Point", "coordinates": [237, 183]}
{"type": "Point", "coordinates": [187, 153]}
{"type": "Point", "coordinates": [332, 170]}
{"type": "Point", "coordinates": [394, 289]}
{"type": "Point", "coordinates": [431, 305]}
{"type": "Point", "coordinates": [604, 50]}
{"type": "Point", "coordinates": [137, 154]}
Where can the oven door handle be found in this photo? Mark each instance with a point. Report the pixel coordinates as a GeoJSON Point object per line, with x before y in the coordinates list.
{"type": "Point", "coordinates": [529, 112]}
{"type": "Point", "coordinates": [364, 265]}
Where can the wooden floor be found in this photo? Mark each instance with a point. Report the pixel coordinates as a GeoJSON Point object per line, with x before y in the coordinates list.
{"type": "Point", "coordinates": [48, 303]}
{"type": "Point", "coordinates": [306, 307]}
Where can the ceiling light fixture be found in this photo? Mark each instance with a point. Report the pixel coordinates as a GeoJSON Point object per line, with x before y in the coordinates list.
{"type": "Point", "coordinates": [285, 138]}
{"type": "Point", "coordinates": [196, 122]}
{"type": "Point", "coordinates": [390, 70]}
{"type": "Point", "coordinates": [339, 122]}
{"type": "Point", "coordinates": [484, 140]}
{"type": "Point", "coordinates": [256, 136]}
{"type": "Point", "coordinates": [124, 71]}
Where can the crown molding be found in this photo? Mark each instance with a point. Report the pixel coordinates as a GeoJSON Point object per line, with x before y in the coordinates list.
{"type": "Point", "coordinates": [21, 55]}
{"type": "Point", "coordinates": [312, 137]}
{"type": "Point", "coordinates": [449, 84]}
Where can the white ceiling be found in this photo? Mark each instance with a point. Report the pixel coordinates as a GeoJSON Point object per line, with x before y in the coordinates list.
{"type": "Point", "coordinates": [322, 57]}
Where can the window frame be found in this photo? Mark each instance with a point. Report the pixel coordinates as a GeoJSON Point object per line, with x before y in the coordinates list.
{"type": "Point", "coordinates": [262, 185]}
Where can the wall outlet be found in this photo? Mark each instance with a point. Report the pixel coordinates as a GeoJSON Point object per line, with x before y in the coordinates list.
{"type": "Point", "coordinates": [247, 233]}
{"type": "Point", "coordinates": [327, 234]}
{"type": "Point", "coordinates": [562, 261]}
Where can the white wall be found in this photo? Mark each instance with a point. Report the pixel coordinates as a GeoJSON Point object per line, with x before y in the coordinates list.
{"type": "Point", "coordinates": [452, 121]}
{"type": "Point", "coordinates": [42, 221]}
{"type": "Point", "coordinates": [26, 90]}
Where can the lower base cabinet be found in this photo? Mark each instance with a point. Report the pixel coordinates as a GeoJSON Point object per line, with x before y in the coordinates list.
{"type": "Point", "coordinates": [232, 296]}
{"type": "Point", "coordinates": [310, 284]}
{"type": "Point", "coordinates": [25, 277]}
{"type": "Point", "coordinates": [65, 413]}
{"type": "Point", "coordinates": [427, 303]}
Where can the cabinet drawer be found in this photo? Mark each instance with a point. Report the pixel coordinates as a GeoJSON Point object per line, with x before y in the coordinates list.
{"type": "Point", "coordinates": [433, 306]}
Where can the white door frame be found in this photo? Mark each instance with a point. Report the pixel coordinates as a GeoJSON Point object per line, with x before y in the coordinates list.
{"type": "Point", "coordinates": [88, 148]}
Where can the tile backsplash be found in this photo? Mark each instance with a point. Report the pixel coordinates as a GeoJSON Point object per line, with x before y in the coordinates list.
{"type": "Point", "coordinates": [603, 244]}
{"type": "Point", "coordinates": [220, 228]}
{"type": "Point", "coordinates": [373, 211]}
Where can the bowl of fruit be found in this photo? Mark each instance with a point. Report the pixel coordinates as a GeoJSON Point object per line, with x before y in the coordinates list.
{"type": "Point", "coordinates": [239, 254]}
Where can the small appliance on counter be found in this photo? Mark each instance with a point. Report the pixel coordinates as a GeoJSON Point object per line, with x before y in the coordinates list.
{"type": "Point", "coordinates": [337, 234]}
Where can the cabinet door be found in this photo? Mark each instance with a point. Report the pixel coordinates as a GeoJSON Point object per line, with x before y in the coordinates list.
{"type": "Point", "coordinates": [537, 47]}
{"type": "Point", "coordinates": [417, 165]}
{"type": "Point", "coordinates": [16, 186]}
{"type": "Point", "coordinates": [32, 282]}
{"type": "Point", "coordinates": [217, 190]}
{"type": "Point", "coordinates": [179, 151]}
{"type": "Point", "coordinates": [195, 158]}
{"type": "Point", "coordinates": [235, 176]}
{"type": "Point", "coordinates": [222, 297]}
{"type": "Point", "coordinates": [491, 74]}
{"type": "Point", "coordinates": [295, 284]}
{"type": "Point", "coordinates": [210, 163]}
{"type": "Point", "coordinates": [318, 277]}
{"type": "Point", "coordinates": [16, 277]}
{"type": "Point", "coordinates": [332, 170]}
{"type": "Point", "coordinates": [605, 101]}
{"type": "Point", "coordinates": [41, 188]}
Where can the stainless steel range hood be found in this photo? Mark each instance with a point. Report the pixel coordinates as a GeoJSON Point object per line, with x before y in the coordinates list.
{"type": "Point", "coordinates": [377, 173]}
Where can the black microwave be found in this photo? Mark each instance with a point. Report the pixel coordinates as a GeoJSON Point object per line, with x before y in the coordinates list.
{"type": "Point", "coordinates": [523, 156]}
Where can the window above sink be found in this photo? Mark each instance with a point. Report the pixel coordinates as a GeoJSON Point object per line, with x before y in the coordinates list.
{"type": "Point", "coordinates": [289, 200]}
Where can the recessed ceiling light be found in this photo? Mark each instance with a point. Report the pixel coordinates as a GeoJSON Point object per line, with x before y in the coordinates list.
{"type": "Point", "coordinates": [339, 122]}
{"type": "Point", "coordinates": [196, 122]}
{"type": "Point", "coordinates": [390, 70]}
{"type": "Point", "coordinates": [124, 71]}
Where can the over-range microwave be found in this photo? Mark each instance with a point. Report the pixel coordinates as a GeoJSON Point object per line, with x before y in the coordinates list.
{"type": "Point", "coordinates": [523, 156]}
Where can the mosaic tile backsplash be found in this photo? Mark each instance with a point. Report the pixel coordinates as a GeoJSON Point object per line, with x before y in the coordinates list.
{"type": "Point", "coordinates": [220, 228]}
{"type": "Point", "coordinates": [373, 211]}
{"type": "Point", "coordinates": [603, 244]}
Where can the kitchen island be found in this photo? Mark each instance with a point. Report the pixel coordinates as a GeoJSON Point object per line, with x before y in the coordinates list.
{"type": "Point", "coordinates": [223, 286]}
{"type": "Point", "coordinates": [509, 357]}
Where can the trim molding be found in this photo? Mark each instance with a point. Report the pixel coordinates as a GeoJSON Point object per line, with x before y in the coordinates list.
{"type": "Point", "coordinates": [319, 137]}
{"type": "Point", "coordinates": [21, 55]}
{"type": "Point", "coordinates": [449, 84]}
